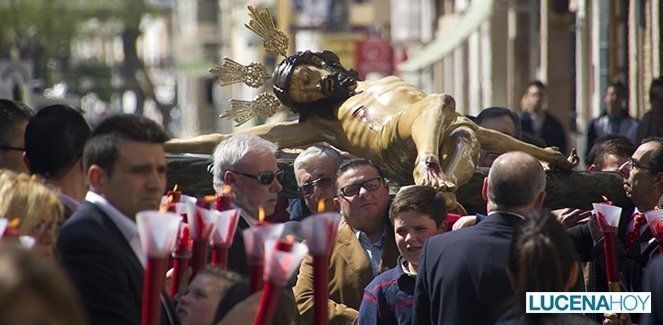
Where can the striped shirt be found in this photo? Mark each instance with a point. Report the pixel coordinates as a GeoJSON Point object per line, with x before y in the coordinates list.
{"type": "Point", "coordinates": [388, 298]}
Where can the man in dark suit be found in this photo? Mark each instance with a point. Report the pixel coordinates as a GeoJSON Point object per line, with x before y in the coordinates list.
{"type": "Point", "coordinates": [653, 282]}
{"type": "Point", "coordinates": [644, 185]}
{"type": "Point", "coordinates": [536, 120]}
{"type": "Point", "coordinates": [462, 275]}
{"type": "Point", "coordinates": [246, 163]}
{"type": "Point", "coordinates": [99, 245]}
{"type": "Point", "coordinates": [54, 142]}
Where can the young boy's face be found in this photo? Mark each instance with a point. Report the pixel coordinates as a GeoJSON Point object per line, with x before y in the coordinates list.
{"type": "Point", "coordinates": [412, 229]}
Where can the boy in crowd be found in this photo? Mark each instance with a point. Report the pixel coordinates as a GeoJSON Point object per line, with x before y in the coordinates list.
{"type": "Point", "coordinates": [417, 213]}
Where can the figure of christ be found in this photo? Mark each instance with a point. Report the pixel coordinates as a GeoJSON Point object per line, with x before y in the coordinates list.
{"type": "Point", "coordinates": [417, 138]}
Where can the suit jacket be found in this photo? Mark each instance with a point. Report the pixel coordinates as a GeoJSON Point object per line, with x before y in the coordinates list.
{"type": "Point", "coordinates": [237, 258]}
{"type": "Point", "coordinates": [462, 274]}
{"type": "Point", "coordinates": [552, 132]}
{"type": "Point", "coordinates": [103, 267]}
{"type": "Point", "coordinates": [653, 282]}
{"type": "Point", "coordinates": [631, 263]}
{"type": "Point", "coordinates": [349, 273]}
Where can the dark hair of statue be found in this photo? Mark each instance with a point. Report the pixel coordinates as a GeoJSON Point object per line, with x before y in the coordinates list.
{"type": "Point", "coordinates": [323, 108]}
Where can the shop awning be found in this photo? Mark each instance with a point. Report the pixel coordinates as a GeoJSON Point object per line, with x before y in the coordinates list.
{"type": "Point", "coordinates": [450, 37]}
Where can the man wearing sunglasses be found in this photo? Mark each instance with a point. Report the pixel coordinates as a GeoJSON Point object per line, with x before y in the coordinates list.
{"type": "Point", "coordinates": [247, 164]}
{"type": "Point", "coordinates": [364, 247]}
{"type": "Point", "coordinates": [14, 118]}
{"type": "Point", "coordinates": [315, 173]}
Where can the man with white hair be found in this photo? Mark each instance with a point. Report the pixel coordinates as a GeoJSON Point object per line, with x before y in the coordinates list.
{"type": "Point", "coordinates": [246, 163]}
{"type": "Point", "coordinates": [315, 173]}
{"type": "Point", "coordinates": [462, 275]}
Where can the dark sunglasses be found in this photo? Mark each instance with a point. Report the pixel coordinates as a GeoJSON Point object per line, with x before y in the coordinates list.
{"type": "Point", "coordinates": [308, 188]}
{"type": "Point", "coordinates": [11, 148]}
{"type": "Point", "coordinates": [264, 178]}
{"type": "Point", "coordinates": [353, 189]}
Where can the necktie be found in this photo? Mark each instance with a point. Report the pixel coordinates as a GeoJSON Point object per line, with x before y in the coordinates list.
{"type": "Point", "coordinates": [633, 234]}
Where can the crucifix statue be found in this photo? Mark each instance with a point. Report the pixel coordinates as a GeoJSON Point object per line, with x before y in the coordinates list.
{"type": "Point", "coordinates": [417, 138]}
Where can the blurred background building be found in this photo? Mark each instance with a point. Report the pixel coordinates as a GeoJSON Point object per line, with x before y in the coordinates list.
{"type": "Point", "coordinates": [151, 56]}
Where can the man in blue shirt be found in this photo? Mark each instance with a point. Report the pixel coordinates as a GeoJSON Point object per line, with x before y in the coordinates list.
{"type": "Point", "coordinates": [417, 212]}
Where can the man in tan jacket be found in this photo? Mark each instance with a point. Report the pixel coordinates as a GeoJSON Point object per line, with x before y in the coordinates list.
{"type": "Point", "coordinates": [364, 244]}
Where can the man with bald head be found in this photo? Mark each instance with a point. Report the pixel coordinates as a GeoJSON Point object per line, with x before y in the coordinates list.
{"type": "Point", "coordinates": [462, 275]}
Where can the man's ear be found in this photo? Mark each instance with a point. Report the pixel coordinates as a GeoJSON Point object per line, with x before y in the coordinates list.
{"type": "Point", "coordinates": [229, 178]}
{"type": "Point", "coordinates": [484, 189]}
{"type": "Point", "coordinates": [337, 203]}
{"type": "Point", "coordinates": [442, 228]}
{"type": "Point", "coordinates": [539, 199]}
{"type": "Point", "coordinates": [97, 177]}
{"type": "Point", "coordinates": [592, 168]}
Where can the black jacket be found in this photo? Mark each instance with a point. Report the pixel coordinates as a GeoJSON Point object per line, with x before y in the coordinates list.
{"type": "Point", "coordinates": [462, 274]}
{"type": "Point", "coordinates": [552, 132]}
{"type": "Point", "coordinates": [103, 268]}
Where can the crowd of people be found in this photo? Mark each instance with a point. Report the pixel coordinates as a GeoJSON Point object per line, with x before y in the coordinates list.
{"type": "Point", "coordinates": [70, 252]}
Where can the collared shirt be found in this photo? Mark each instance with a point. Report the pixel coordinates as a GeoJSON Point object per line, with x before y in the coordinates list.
{"type": "Point", "coordinates": [389, 298]}
{"type": "Point", "coordinates": [404, 265]}
{"type": "Point", "coordinates": [251, 221]}
{"type": "Point", "coordinates": [126, 226]}
{"type": "Point", "coordinates": [373, 249]}
{"type": "Point", "coordinates": [505, 212]}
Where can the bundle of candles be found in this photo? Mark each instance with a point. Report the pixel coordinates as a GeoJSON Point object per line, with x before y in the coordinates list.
{"type": "Point", "coordinates": [282, 258]}
{"type": "Point", "coordinates": [222, 237]}
{"type": "Point", "coordinates": [158, 232]}
{"type": "Point", "coordinates": [607, 216]}
{"type": "Point", "coordinates": [183, 230]}
{"type": "Point", "coordinates": [320, 234]}
{"type": "Point", "coordinates": [254, 242]}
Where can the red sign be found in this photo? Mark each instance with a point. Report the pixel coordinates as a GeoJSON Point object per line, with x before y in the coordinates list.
{"type": "Point", "coordinates": [373, 55]}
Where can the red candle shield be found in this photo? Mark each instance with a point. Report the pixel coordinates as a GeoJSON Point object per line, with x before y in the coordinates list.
{"type": "Point", "coordinates": [155, 276]}
{"type": "Point", "coordinates": [320, 290]}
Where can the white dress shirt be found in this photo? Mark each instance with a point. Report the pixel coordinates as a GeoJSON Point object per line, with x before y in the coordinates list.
{"type": "Point", "coordinates": [126, 226]}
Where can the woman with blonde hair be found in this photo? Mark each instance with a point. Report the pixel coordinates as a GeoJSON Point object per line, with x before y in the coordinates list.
{"type": "Point", "coordinates": [35, 206]}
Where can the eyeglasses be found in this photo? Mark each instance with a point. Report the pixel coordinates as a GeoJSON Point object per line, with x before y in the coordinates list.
{"type": "Point", "coordinates": [632, 163]}
{"type": "Point", "coordinates": [353, 189]}
{"type": "Point", "coordinates": [11, 148]}
{"type": "Point", "coordinates": [264, 178]}
{"type": "Point", "coordinates": [307, 188]}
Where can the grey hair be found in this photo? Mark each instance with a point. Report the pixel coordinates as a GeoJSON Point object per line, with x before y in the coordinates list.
{"type": "Point", "coordinates": [316, 151]}
{"type": "Point", "coordinates": [515, 180]}
{"type": "Point", "coordinates": [229, 153]}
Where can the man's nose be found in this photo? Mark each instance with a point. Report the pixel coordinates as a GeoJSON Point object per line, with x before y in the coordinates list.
{"type": "Point", "coordinates": [409, 237]}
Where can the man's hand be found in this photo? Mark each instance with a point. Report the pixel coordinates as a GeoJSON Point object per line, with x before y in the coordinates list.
{"type": "Point", "coordinates": [594, 229]}
{"type": "Point", "coordinates": [572, 217]}
{"type": "Point", "coordinates": [427, 171]}
{"type": "Point", "coordinates": [464, 221]}
{"type": "Point", "coordinates": [558, 159]}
